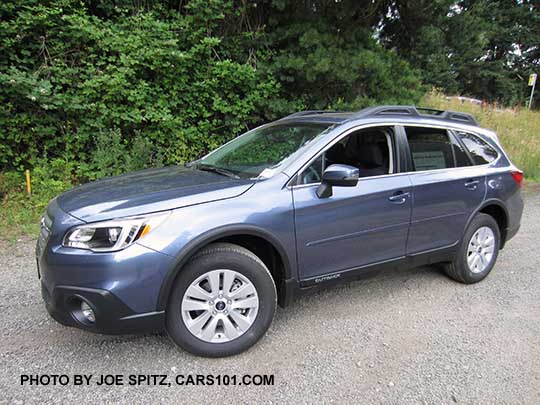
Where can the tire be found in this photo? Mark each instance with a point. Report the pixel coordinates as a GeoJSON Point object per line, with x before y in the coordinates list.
{"type": "Point", "coordinates": [460, 269]}
{"type": "Point", "coordinates": [242, 269]}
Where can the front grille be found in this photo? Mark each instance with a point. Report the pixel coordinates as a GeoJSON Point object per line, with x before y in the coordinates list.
{"type": "Point", "coordinates": [44, 233]}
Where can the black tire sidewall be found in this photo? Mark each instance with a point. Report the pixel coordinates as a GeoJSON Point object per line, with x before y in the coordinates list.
{"type": "Point", "coordinates": [248, 267]}
{"type": "Point", "coordinates": [479, 221]}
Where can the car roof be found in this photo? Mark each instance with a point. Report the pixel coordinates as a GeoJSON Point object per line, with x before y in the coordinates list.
{"type": "Point", "coordinates": [320, 117]}
{"type": "Point", "coordinates": [386, 111]}
{"type": "Point", "coordinates": [400, 114]}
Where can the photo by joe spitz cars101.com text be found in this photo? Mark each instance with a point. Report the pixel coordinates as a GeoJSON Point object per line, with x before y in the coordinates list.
{"type": "Point", "coordinates": [207, 250]}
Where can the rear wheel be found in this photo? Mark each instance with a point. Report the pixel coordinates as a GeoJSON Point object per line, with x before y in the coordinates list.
{"type": "Point", "coordinates": [223, 301]}
{"type": "Point", "coordinates": [478, 251]}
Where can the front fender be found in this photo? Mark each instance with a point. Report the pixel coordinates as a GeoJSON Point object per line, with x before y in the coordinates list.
{"type": "Point", "coordinates": [203, 240]}
{"type": "Point", "coordinates": [265, 211]}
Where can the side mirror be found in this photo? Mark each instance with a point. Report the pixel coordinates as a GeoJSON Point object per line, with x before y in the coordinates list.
{"type": "Point", "coordinates": [337, 175]}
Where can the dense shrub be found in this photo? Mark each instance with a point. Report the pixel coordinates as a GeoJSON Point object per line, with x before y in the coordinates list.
{"type": "Point", "coordinates": [94, 88]}
{"type": "Point", "coordinates": [111, 86]}
{"type": "Point", "coordinates": [161, 79]}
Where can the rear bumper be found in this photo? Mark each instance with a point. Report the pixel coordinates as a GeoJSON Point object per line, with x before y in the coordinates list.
{"type": "Point", "coordinates": [112, 316]}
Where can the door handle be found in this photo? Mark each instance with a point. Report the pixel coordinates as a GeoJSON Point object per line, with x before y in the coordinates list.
{"type": "Point", "coordinates": [399, 197]}
{"type": "Point", "coordinates": [472, 184]}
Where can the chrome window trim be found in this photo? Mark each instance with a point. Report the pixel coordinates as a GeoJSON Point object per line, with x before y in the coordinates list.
{"type": "Point", "coordinates": [294, 177]}
{"type": "Point", "coordinates": [392, 159]}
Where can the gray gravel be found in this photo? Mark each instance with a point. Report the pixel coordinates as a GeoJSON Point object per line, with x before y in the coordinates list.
{"type": "Point", "coordinates": [399, 337]}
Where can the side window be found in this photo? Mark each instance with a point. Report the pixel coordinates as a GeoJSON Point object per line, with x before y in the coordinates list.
{"type": "Point", "coordinates": [433, 148]}
{"type": "Point", "coordinates": [313, 173]}
{"type": "Point", "coordinates": [370, 150]}
{"type": "Point", "coordinates": [480, 151]}
{"type": "Point", "coordinates": [461, 157]}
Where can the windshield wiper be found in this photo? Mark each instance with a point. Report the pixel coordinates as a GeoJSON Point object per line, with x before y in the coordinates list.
{"type": "Point", "coordinates": [218, 170]}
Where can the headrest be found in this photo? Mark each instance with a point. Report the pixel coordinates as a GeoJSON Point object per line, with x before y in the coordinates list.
{"type": "Point", "coordinates": [336, 153]}
{"type": "Point", "coordinates": [369, 154]}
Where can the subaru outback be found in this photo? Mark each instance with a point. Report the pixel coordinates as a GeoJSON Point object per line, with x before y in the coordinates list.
{"type": "Point", "coordinates": [206, 250]}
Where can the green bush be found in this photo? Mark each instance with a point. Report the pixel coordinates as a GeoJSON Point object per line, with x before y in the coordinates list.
{"type": "Point", "coordinates": [97, 88]}
{"type": "Point", "coordinates": [161, 78]}
{"type": "Point", "coordinates": [173, 78]}
{"type": "Point", "coordinates": [113, 156]}
{"type": "Point", "coordinates": [20, 212]}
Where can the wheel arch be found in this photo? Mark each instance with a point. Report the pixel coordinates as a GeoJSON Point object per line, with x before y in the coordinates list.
{"type": "Point", "coordinates": [242, 235]}
{"type": "Point", "coordinates": [496, 209]}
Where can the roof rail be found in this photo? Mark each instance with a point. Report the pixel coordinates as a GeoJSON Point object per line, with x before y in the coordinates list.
{"type": "Point", "coordinates": [411, 111]}
{"type": "Point", "coordinates": [310, 112]}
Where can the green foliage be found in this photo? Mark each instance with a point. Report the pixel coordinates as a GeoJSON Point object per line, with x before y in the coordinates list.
{"type": "Point", "coordinates": [20, 212]}
{"type": "Point", "coordinates": [97, 88]}
{"type": "Point", "coordinates": [483, 48]}
{"type": "Point", "coordinates": [326, 57]}
{"type": "Point", "coordinates": [342, 70]}
{"type": "Point", "coordinates": [113, 156]}
{"type": "Point", "coordinates": [176, 79]}
{"type": "Point", "coordinates": [68, 76]}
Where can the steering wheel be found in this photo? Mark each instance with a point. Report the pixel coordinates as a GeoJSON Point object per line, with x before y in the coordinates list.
{"type": "Point", "coordinates": [311, 175]}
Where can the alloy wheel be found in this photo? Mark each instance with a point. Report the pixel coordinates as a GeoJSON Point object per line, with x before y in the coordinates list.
{"type": "Point", "coordinates": [220, 306]}
{"type": "Point", "coordinates": [481, 249]}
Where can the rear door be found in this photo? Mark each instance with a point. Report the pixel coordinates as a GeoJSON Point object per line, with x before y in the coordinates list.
{"type": "Point", "coordinates": [447, 188]}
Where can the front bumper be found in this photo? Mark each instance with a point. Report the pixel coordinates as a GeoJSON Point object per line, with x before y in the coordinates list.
{"type": "Point", "coordinates": [112, 316]}
{"type": "Point", "coordinates": [122, 288]}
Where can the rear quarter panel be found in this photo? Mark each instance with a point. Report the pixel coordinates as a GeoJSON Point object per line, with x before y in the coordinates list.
{"type": "Point", "coordinates": [503, 189]}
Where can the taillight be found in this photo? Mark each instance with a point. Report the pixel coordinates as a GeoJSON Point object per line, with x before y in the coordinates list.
{"type": "Point", "coordinates": [518, 177]}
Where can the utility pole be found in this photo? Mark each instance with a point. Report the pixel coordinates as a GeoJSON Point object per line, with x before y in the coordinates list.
{"type": "Point", "coordinates": [532, 82]}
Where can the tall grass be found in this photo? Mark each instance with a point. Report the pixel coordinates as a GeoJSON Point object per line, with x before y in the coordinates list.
{"type": "Point", "coordinates": [518, 129]}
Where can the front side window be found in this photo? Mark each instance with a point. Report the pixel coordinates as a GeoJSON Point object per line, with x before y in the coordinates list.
{"type": "Point", "coordinates": [433, 149]}
{"type": "Point", "coordinates": [370, 150]}
{"type": "Point", "coordinates": [480, 151]}
{"type": "Point", "coordinates": [264, 148]}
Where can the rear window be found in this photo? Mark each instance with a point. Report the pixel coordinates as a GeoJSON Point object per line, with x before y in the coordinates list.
{"type": "Point", "coordinates": [433, 149]}
{"type": "Point", "coordinates": [480, 150]}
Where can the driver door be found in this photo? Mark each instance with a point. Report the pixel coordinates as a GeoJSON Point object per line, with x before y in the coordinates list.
{"type": "Point", "coordinates": [357, 226]}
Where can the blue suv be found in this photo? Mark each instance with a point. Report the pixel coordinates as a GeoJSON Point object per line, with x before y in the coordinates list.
{"type": "Point", "coordinates": [206, 251]}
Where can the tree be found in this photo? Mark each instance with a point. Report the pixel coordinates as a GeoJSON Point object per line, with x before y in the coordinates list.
{"type": "Point", "coordinates": [325, 55]}
{"type": "Point", "coordinates": [481, 48]}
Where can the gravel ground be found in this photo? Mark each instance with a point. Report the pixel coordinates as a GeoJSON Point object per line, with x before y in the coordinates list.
{"type": "Point", "coordinates": [399, 337]}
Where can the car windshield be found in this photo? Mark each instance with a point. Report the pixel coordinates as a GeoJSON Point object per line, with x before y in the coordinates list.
{"type": "Point", "coordinates": [261, 150]}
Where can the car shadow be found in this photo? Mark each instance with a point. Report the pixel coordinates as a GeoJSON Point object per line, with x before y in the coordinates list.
{"type": "Point", "coordinates": [369, 287]}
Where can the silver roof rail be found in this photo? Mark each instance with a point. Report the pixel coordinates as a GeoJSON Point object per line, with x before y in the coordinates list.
{"type": "Point", "coordinates": [411, 111]}
{"type": "Point", "coordinates": [311, 112]}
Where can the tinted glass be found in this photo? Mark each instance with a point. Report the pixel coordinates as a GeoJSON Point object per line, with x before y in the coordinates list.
{"type": "Point", "coordinates": [368, 150]}
{"type": "Point", "coordinates": [480, 151]}
{"type": "Point", "coordinates": [462, 159]}
{"type": "Point", "coordinates": [263, 148]}
{"type": "Point", "coordinates": [433, 148]}
{"type": "Point", "coordinates": [313, 173]}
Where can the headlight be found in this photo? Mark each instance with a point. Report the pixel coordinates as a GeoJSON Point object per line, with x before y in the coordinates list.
{"type": "Point", "coordinates": [109, 236]}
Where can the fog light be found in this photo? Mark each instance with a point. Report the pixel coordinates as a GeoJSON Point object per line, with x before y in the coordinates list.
{"type": "Point", "coordinates": [87, 312]}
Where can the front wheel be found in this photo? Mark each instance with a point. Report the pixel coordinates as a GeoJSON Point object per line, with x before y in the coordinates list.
{"type": "Point", "coordinates": [478, 251]}
{"type": "Point", "coordinates": [223, 302]}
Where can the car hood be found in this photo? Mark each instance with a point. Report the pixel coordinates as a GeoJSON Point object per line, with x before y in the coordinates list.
{"type": "Point", "coordinates": [148, 191]}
